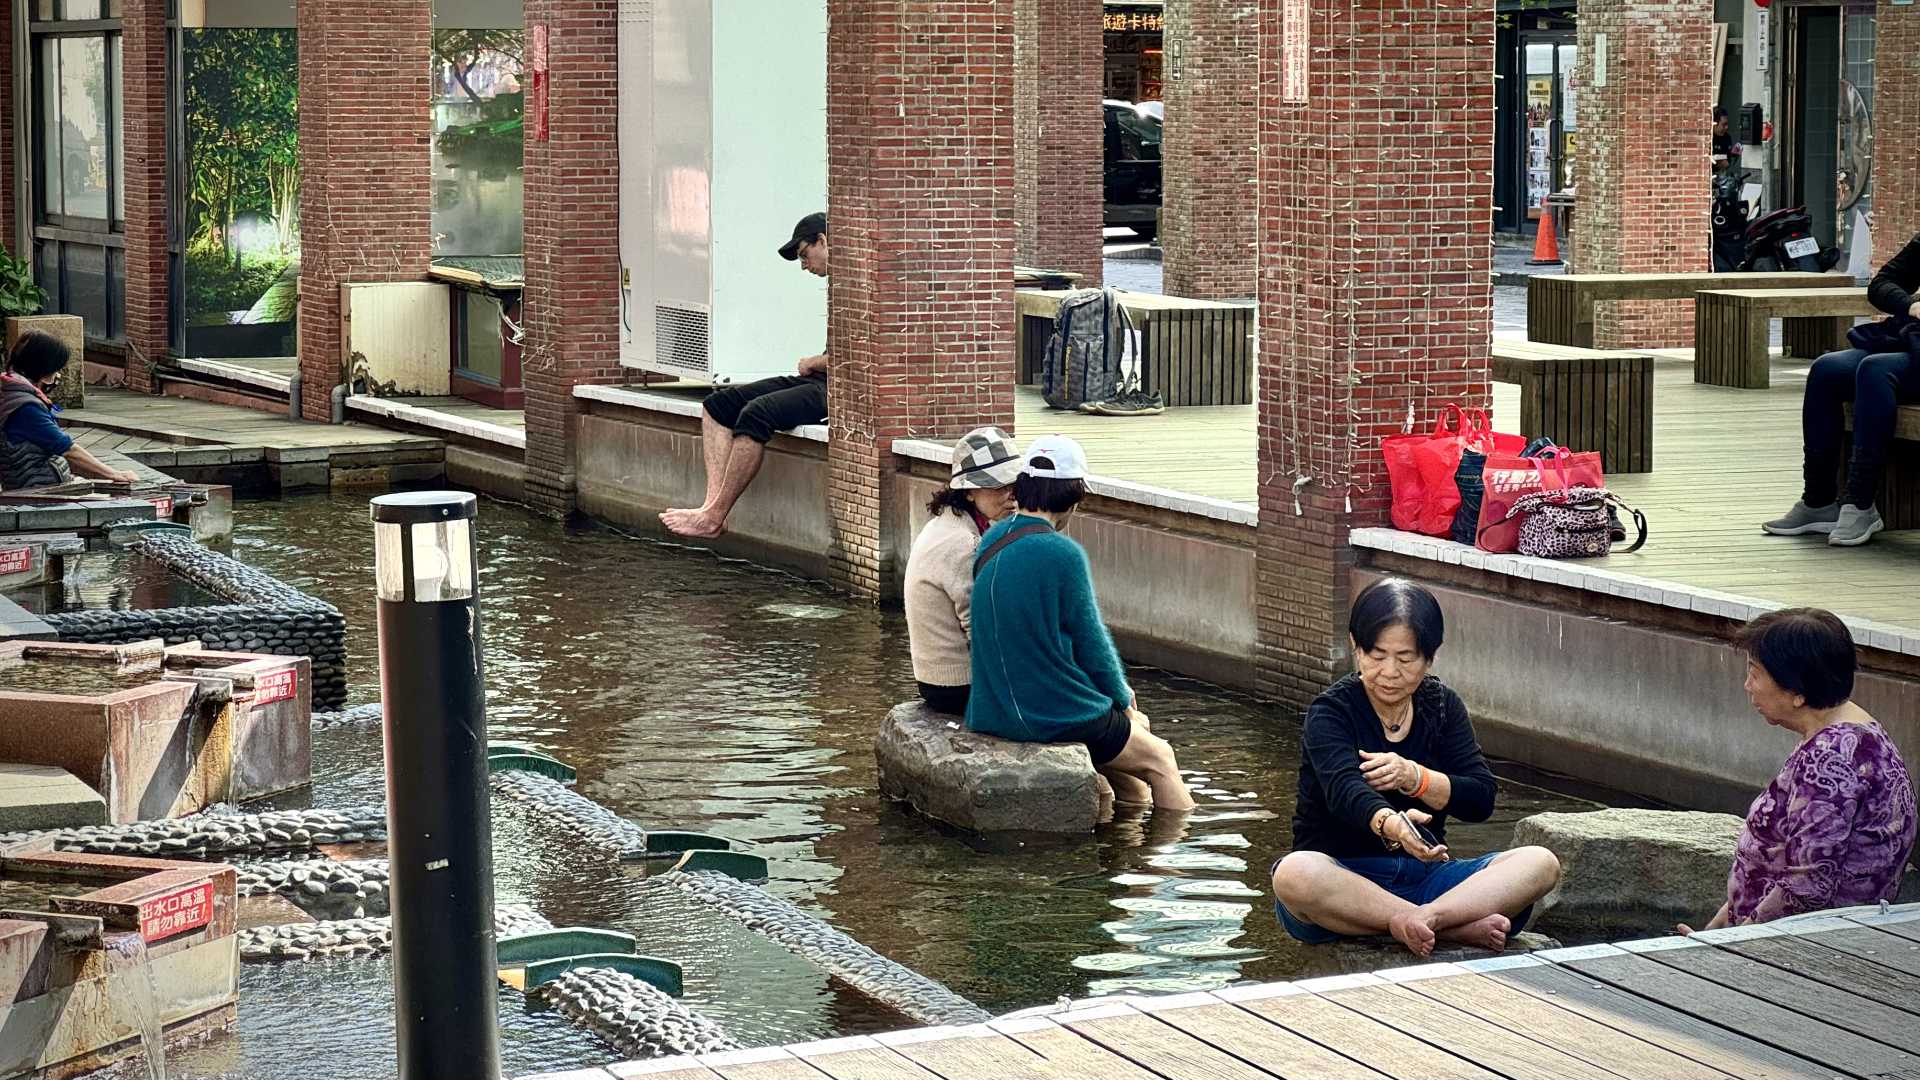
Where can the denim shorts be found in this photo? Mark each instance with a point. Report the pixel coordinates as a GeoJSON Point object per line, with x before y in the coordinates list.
{"type": "Point", "coordinates": [1404, 876]}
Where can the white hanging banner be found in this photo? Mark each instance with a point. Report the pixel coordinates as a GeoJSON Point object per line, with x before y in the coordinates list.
{"type": "Point", "coordinates": [1762, 32]}
{"type": "Point", "coordinates": [1294, 52]}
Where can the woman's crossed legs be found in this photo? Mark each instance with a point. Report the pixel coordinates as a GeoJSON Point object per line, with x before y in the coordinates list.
{"type": "Point", "coordinates": [1477, 911]}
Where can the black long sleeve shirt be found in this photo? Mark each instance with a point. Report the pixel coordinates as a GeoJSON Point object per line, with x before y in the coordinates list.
{"type": "Point", "coordinates": [1336, 807]}
{"type": "Point", "coordinates": [1892, 289]}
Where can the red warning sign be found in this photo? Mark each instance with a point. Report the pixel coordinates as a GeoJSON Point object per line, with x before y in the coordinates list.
{"type": "Point", "coordinates": [279, 686]}
{"type": "Point", "coordinates": [177, 912]}
{"type": "Point", "coordinates": [17, 560]}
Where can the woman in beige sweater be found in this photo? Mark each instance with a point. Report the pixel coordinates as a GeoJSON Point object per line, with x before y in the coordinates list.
{"type": "Point", "coordinates": [939, 588]}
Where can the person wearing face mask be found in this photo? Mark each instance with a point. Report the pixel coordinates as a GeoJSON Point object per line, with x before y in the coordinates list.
{"type": "Point", "coordinates": [34, 452]}
{"type": "Point", "coordinates": [939, 586]}
{"type": "Point", "coordinates": [1387, 755]}
{"type": "Point", "coordinates": [1835, 827]}
{"type": "Point", "coordinates": [1044, 667]}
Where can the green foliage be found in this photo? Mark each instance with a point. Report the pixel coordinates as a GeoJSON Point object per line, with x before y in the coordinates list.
{"type": "Point", "coordinates": [19, 293]}
{"type": "Point", "coordinates": [464, 48]}
{"type": "Point", "coordinates": [215, 285]}
{"type": "Point", "coordinates": [243, 135]}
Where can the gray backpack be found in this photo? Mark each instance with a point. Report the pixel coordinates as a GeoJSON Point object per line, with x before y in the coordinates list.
{"type": "Point", "coordinates": [1091, 338]}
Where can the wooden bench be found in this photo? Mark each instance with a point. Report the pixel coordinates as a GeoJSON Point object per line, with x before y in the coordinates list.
{"type": "Point", "coordinates": [1560, 306]}
{"type": "Point", "coordinates": [1193, 352]}
{"type": "Point", "coordinates": [1730, 329]}
{"type": "Point", "coordinates": [1898, 499]}
{"type": "Point", "coordinates": [1583, 399]}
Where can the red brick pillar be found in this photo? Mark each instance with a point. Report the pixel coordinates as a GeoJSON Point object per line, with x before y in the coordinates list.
{"type": "Point", "coordinates": [143, 105]}
{"type": "Point", "coordinates": [1369, 313]}
{"type": "Point", "coordinates": [1644, 165]}
{"type": "Point", "coordinates": [1059, 71]}
{"type": "Point", "coordinates": [1896, 129]}
{"type": "Point", "coordinates": [572, 199]}
{"type": "Point", "coordinates": [9, 185]}
{"type": "Point", "coordinates": [920, 223]}
{"type": "Point", "coordinates": [1207, 207]}
{"type": "Point", "coordinates": [365, 175]}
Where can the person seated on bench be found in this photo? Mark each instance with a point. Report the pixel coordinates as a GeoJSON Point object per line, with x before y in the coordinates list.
{"type": "Point", "coordinates": [34, 452]}
{"type": "Point", "coordinates": [939, 588]}
{"type": "Point", "coordinates": [1044, 667]}
{"type": "Point", "coordinates": [1877, 382]}
{"type": "Point", "coordinates": [737, 422]}
{"type": "Point", "coordinates": [1387, 755]}
{"type": "Point", "coordinates": [1835, 827]}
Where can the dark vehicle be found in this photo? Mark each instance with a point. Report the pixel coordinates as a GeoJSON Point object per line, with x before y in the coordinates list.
{"type": "Point", "coordinates": [1729, 220]}
{"type": "Point", "coordinates": [1132, 169]}
{"type": "Point", "coordinates": [1784, 240]}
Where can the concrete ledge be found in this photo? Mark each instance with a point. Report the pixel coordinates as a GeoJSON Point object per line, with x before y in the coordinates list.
{"type": "Point", "coordinates": [674, 405]}
{"type": "Point", "coordinates": [1180, 502]}
{"type": "Point", "coordinates": [265, 380]}
{"type": "Point", "coordinates": [1593, 577]}
{"type": "Point", "coordinates": [397, 409]}
{"type": "Point", "coordinates": [39, 797]}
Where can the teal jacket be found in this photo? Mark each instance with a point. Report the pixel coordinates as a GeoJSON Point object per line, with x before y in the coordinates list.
{"type": "Point", "coordinates": [1043, 663]}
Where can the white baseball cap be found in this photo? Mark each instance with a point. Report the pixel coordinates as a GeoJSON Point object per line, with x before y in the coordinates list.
{"type": "Point", "coordinates": [1069, 461]}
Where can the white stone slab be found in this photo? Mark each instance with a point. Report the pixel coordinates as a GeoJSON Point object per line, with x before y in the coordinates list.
{"type": "Point", "coordinates": [834, 1046]}
{"type": "Point", "coordinates": [1329, 983]}
{"type": "Point", "coordinates": [1259, 991]}
{"type": "Point", "coordinates": [1502, 963]}
{"type": "Point", "coordinates": [395, 409]}
{"type": "Point", "coordinates": [1176, 1002]}
{"type": "Point", "coordinates": [1660, 944]}
{"type": "Point", "coordinates": [1422, 972]}
{"type": "Point", "coordinates": [1578, 952]}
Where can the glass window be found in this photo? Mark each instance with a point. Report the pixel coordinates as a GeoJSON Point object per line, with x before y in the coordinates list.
{"type": "Point", "coordinates": [77, 128]}
{"type": "Point", "coordinates": [80, 9]}
{"type": "Point", "coordinates": [51, 194]}
{"type": "Point", "coordinates": [476, 149]}
{"type": "Point", "coordinates": [46, 270]}
{"type": "Point", "coordinates": [116, 293]}
{"type": "Point", "coordinates": [119, 137]}
{"type": "Point", "coordinates": [1139, 136]}
{"type": "Point", "coordinates": [87, 286]}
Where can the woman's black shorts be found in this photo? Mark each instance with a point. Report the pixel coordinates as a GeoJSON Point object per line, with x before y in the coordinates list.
{"type": "Point", "coordinates": [1105, 737]}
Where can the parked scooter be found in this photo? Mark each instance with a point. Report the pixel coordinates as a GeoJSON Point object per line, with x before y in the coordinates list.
{"type": "Point", "coordinates": [1784, 240]}
{"type": "Point", "coordinates": [1780, 240]}
{"type": "Point", "coordinates": [1729, 220]}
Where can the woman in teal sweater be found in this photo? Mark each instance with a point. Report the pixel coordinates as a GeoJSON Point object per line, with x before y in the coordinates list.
{"type": "Point", "coordinates": [1044, 667]}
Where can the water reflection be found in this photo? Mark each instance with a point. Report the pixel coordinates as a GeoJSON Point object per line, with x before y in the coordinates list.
{"type": "Point", "coordinates": [705, 694]}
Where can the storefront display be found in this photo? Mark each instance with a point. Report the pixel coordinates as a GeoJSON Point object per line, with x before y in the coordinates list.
{"type": "Point", "coordinates": [1134, 34]}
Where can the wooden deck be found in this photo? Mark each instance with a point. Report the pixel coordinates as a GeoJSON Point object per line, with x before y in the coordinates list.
{"type": "Point", "coordinates": [164, 431]}
{"type": "Point", "coordinates": [1818, 999]}
{"type": "Point", "coordinates": [1725, 460]}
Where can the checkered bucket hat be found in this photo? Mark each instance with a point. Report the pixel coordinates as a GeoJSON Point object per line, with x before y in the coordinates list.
{"type": "Point", "coordinates": [985, 458]}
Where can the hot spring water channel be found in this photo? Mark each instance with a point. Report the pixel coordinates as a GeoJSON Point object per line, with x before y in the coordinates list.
{"type": "Point", "coordinates": [695, 693]}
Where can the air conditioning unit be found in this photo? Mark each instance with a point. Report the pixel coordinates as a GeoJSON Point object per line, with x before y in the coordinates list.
{"type": "Point", "coordinates": [723, 147]}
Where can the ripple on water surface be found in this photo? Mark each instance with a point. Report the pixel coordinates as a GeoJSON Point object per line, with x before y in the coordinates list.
{"type": "Point", "coordinates": [713, 695]}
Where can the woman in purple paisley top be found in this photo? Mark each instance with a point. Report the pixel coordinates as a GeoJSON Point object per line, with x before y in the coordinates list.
{"type": "Point", "coordinates": [1834, 829]}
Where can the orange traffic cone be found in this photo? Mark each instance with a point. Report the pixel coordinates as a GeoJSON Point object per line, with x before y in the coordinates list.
{"type": "Point", "coordinates": [1546, 246]}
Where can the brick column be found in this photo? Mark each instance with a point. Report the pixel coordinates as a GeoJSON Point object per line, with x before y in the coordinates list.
{"type": "Point", "coordinates": [920, 221]}
{"type": "Point", "coordinates": [9, 184]}
{"type": "Point", "coordinates": [1059, 71]}
{"type": "Point", "coordinates": [1896, 126]}
{"type": "Point", "coordinates": [572, 198]}
{"type": "Point", "coordinates": [1644, 164]}
{"type": "Point", "coordinates": [1367, 311]}
{"type": "Point", "coordinates": [1207, 208]}
{"type": "Point", "coordinates": [143, 103]}
{"type": "Point", "coordinates": [365, 175]}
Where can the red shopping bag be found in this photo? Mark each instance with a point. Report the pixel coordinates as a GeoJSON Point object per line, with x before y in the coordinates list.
{"type": "Point", "coordinates": [1420, 467]}
{"type": "Point", "coordinates": [1509, 476]}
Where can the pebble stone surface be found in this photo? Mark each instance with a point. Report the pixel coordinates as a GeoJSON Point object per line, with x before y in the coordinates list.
{"type": "Point", "coordinates": [632, 1015]}
{"type": "Point", "coordinates": [266, 615]}
{"type": "Point", "coordinates": [597, 824]}
{"type": "Point", "coordinates": [326, 888]}
{"type": "Point", "coordinates": [372, 936]}
{"type": "Point", "coordinates": [221, 832]}
{"type": "Point", "coordinates": [886, 981]}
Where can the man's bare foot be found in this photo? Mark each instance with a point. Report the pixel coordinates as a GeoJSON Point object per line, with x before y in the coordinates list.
{"type": "Point", "coordinates": [692, 523]}
{"type": "Point", "coordinates": [1488, 933]}
{"type": "Point", "coordinates": [1414, 929]}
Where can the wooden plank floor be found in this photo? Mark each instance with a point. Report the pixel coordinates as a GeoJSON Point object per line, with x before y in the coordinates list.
{"type": "Point", "coordinates": [1724, 461]}
{"type": "Point", "coordinates": [1829, 998]}
{"type": "Point", "coordinates": [144, 424]}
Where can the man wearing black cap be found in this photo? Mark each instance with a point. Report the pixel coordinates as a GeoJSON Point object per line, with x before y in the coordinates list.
{"type": "Point", "coordinates": [739, 420]}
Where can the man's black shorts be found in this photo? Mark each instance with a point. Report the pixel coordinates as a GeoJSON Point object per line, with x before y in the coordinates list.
{"type": "Point", "coordinates": [758, 409]}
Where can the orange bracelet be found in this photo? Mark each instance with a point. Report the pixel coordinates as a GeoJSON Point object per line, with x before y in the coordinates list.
{"type": "Point", "coordinates": [1426, 777]}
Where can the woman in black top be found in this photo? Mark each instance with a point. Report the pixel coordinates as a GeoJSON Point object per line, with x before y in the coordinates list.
{"type": "Point", "coordinates": [1875, 381]}
{"type": "Point", "coordinates": [1388, 755]}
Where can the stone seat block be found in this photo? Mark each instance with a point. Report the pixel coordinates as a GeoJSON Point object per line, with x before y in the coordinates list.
{"type": "Point", "coordinates": [982, 783]}
{"type": "Point", "coordinates": [36, 797]}
{"type": "Point", "coordinates": [1632, 872]}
